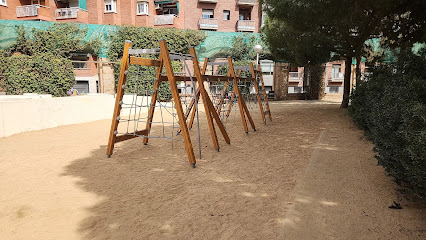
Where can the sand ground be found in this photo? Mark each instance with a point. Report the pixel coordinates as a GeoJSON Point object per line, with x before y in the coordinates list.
{"type": "Point", "coordinates": [308, 174]}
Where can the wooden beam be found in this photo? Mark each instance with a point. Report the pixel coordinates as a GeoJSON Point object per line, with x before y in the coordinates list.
{"type": "Point", "coordinates": [130, 136]}
{"type": "Point", "coordinates": [256, 87]}
{"type": "Point", "coordinates": [265, 96]}
{"type": "Point", "coordinates": [119, 97]}
{"type": "Point", "coordinates": [178, 103]}
{"type": "Point", "coordinates": [204, 96]}
{"type": "Point", "coordinates": [241, 103]}
{"type": "Point", "coordinates": [154, 97]}
{"type": "Point", "coordinates": [144, 61]}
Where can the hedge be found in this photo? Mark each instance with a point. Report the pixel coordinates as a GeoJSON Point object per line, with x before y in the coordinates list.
{"type": "Point", "coordinates": [178, 40]}
{"type": "Point", "coordinates": [43, 73]}
{"type": "Point", "coordinates": [391, 107]}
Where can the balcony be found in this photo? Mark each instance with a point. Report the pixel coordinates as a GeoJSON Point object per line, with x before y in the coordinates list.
{"type": "Point", "coordinates": [207, 1]}
{"type": "Point", "coordinates": [246, 2]}
{"type": "Point", "coordinates": [336, 77]}
{"type": "Point", "coordinates": [209, 23]}
{"type": "Point", "coordinates": [246, 25]}
{"type": "Point", "coordinates": [27, 11]}
{"type": "Point", "coordinates": [295, 76]}
{"type": "Point", "coordinates": [66, 13]}
{"type": "Point", "coordinates": [167, 19]}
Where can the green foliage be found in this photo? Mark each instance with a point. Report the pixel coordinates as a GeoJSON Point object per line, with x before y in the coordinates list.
{"type": "Point", "coordinates": [43, 73]}
{"type": "Point", "coordinates": [41, 61]}
{"type": "Point", "coordinates": [242, 48]}
{"type": "Point", "coordinates": [391, 107]}
{"type": "Point", "coordinates": [142, 37]}
{"type": "Point", "coordinates": [224, 69]}
{"type": "Point", "coordinates": [140, 80]}
{"type": "Point", "coordinates": [59, 39]}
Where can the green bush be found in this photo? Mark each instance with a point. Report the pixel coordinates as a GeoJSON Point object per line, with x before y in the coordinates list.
{"type": "Point", "coordinates": [40, 63]}
{"type": "Point", "coordinates": [143, 37]}
{"type": "Point", "coordinates": [61, 39]}
{"type": "Point", "coordinates": [391, 107]}
{"type": "Point", "coordinates": [43, 73]}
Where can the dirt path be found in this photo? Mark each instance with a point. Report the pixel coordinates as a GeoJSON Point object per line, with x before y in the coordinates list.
{"type": "Point", "coordinates": [308, 174]}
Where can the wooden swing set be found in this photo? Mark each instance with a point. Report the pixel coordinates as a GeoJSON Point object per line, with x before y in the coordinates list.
{"type": "Point", "coordinates": [212, 113]}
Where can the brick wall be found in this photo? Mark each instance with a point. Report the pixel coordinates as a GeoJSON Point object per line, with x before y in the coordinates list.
{"type": "Point", "coordinates": [126, 13]}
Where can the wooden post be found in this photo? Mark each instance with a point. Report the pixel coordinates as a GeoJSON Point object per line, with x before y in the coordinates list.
{"type": "Point", "coordinates": [265, 96]}
{"type": "Point", "coordinates": [154, 97]}
{"type": "Point", "coordinates": [208, 106]}
{"type": "Point", "coordinates": [178, 104]}
{"type": "Point", "coordinates": [241, 103]}
{"type": "Point", "coordinates": [119, 97]}
{"type": "Point", "coordinates": [203, 95]}
{"type": "Point", "coordinates": [256, 87]}
{"type": "Point", "coordinates": [191, 120]}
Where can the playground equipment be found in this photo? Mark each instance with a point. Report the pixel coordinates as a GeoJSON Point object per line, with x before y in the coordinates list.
{"type": "Point", "coordinates": [164, 61]}
{"type": "Point", "coordinates": [144, 74]}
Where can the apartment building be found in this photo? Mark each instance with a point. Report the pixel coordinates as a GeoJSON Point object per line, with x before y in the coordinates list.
{"type": "Point", "coordinates": [333, 77]}
{"type": "Point", "coordinates": [213, 15]}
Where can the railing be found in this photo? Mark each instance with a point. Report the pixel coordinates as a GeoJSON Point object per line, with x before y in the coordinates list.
{"type": "Point", "coordinates": [337, 77]}
{"type": "Point", "coordinates": [246, 2]}
{"type": "Point", "coordinates": [293, 75]}
{"type": "Point", "coordinates": [208, 23]}
{"type": "Point", "coordinates": [246, 25]}
{"type": "Point", "coordinates": [27, 11]}
{"type": "Point", "coordinates": [164, 19]}
{"type": "Point", "coordinates": [66, 13]}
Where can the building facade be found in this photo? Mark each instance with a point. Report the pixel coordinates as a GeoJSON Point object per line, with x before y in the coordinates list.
{"type": "Point", "coordinates": [213, 15]}
{"type": "Point", "coordinates": [333, 77]}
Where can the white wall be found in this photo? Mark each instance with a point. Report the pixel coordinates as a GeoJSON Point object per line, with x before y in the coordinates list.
{"type": "Point", "coordinates": [35, 112]}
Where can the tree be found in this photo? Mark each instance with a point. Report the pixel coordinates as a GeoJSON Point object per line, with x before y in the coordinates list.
{"type": "Point", "coordinates": [302, 46]}
{"type": "Point", "coordinates": [341, 26]}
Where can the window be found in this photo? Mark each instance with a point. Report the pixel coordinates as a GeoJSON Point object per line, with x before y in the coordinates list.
{"type": "Point", "coordinates": [226, 15]}
{"type": "Point", "coordinates": [79, 65]}
{"type": "Point", "coordinates": [3, 3]}
{"type": "Point", "coordinates": [335, 70]}
{"type": "Point", "coordinates": [79, 60]}
{"type": "Point", "coordinates": [170, 10]}
{"type": "Point", "coordinates": [297, 89]}
{"type": "Point", "coordinates": [333, 89]}
{"type": "Point", "coordinates": [110, 5]}
{"type": "Point", "coordinates": [142, 8]}
{"type": "Point", "coordinates": [207, 13]}
{"type": "Point", "coordinates": [38, 2]}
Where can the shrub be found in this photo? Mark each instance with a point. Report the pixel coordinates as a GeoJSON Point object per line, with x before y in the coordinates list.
{"type": "Point", "coordinates": [391, 107]}
{"type": "Point", "coordinates": [142, 37]}
{"type": "Point", "coordinates": [44, 73]}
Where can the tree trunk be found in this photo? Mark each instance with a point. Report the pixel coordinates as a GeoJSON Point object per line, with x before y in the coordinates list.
{"type": "Point", "coordinates": [280, 81]}
{"type": "Point", "coordinates": [347, 82]}
{"type": "Point", "coordinates": [306, 82]}
{"type": "Point", "coordinates": [358, 70]}
{"type": "Point", "coordinates": [316, 82]}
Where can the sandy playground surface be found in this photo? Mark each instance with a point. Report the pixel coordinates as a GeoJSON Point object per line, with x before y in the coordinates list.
{"type": "Point", "coordinates": [308, 174]}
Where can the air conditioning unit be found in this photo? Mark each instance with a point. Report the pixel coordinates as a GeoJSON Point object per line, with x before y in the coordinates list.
{"type": "Point", "coordinates": [157, 7]}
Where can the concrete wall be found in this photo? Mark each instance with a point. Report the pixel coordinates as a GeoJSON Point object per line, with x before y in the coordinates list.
{"type": "Point", "coordinates": [35, 112]}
